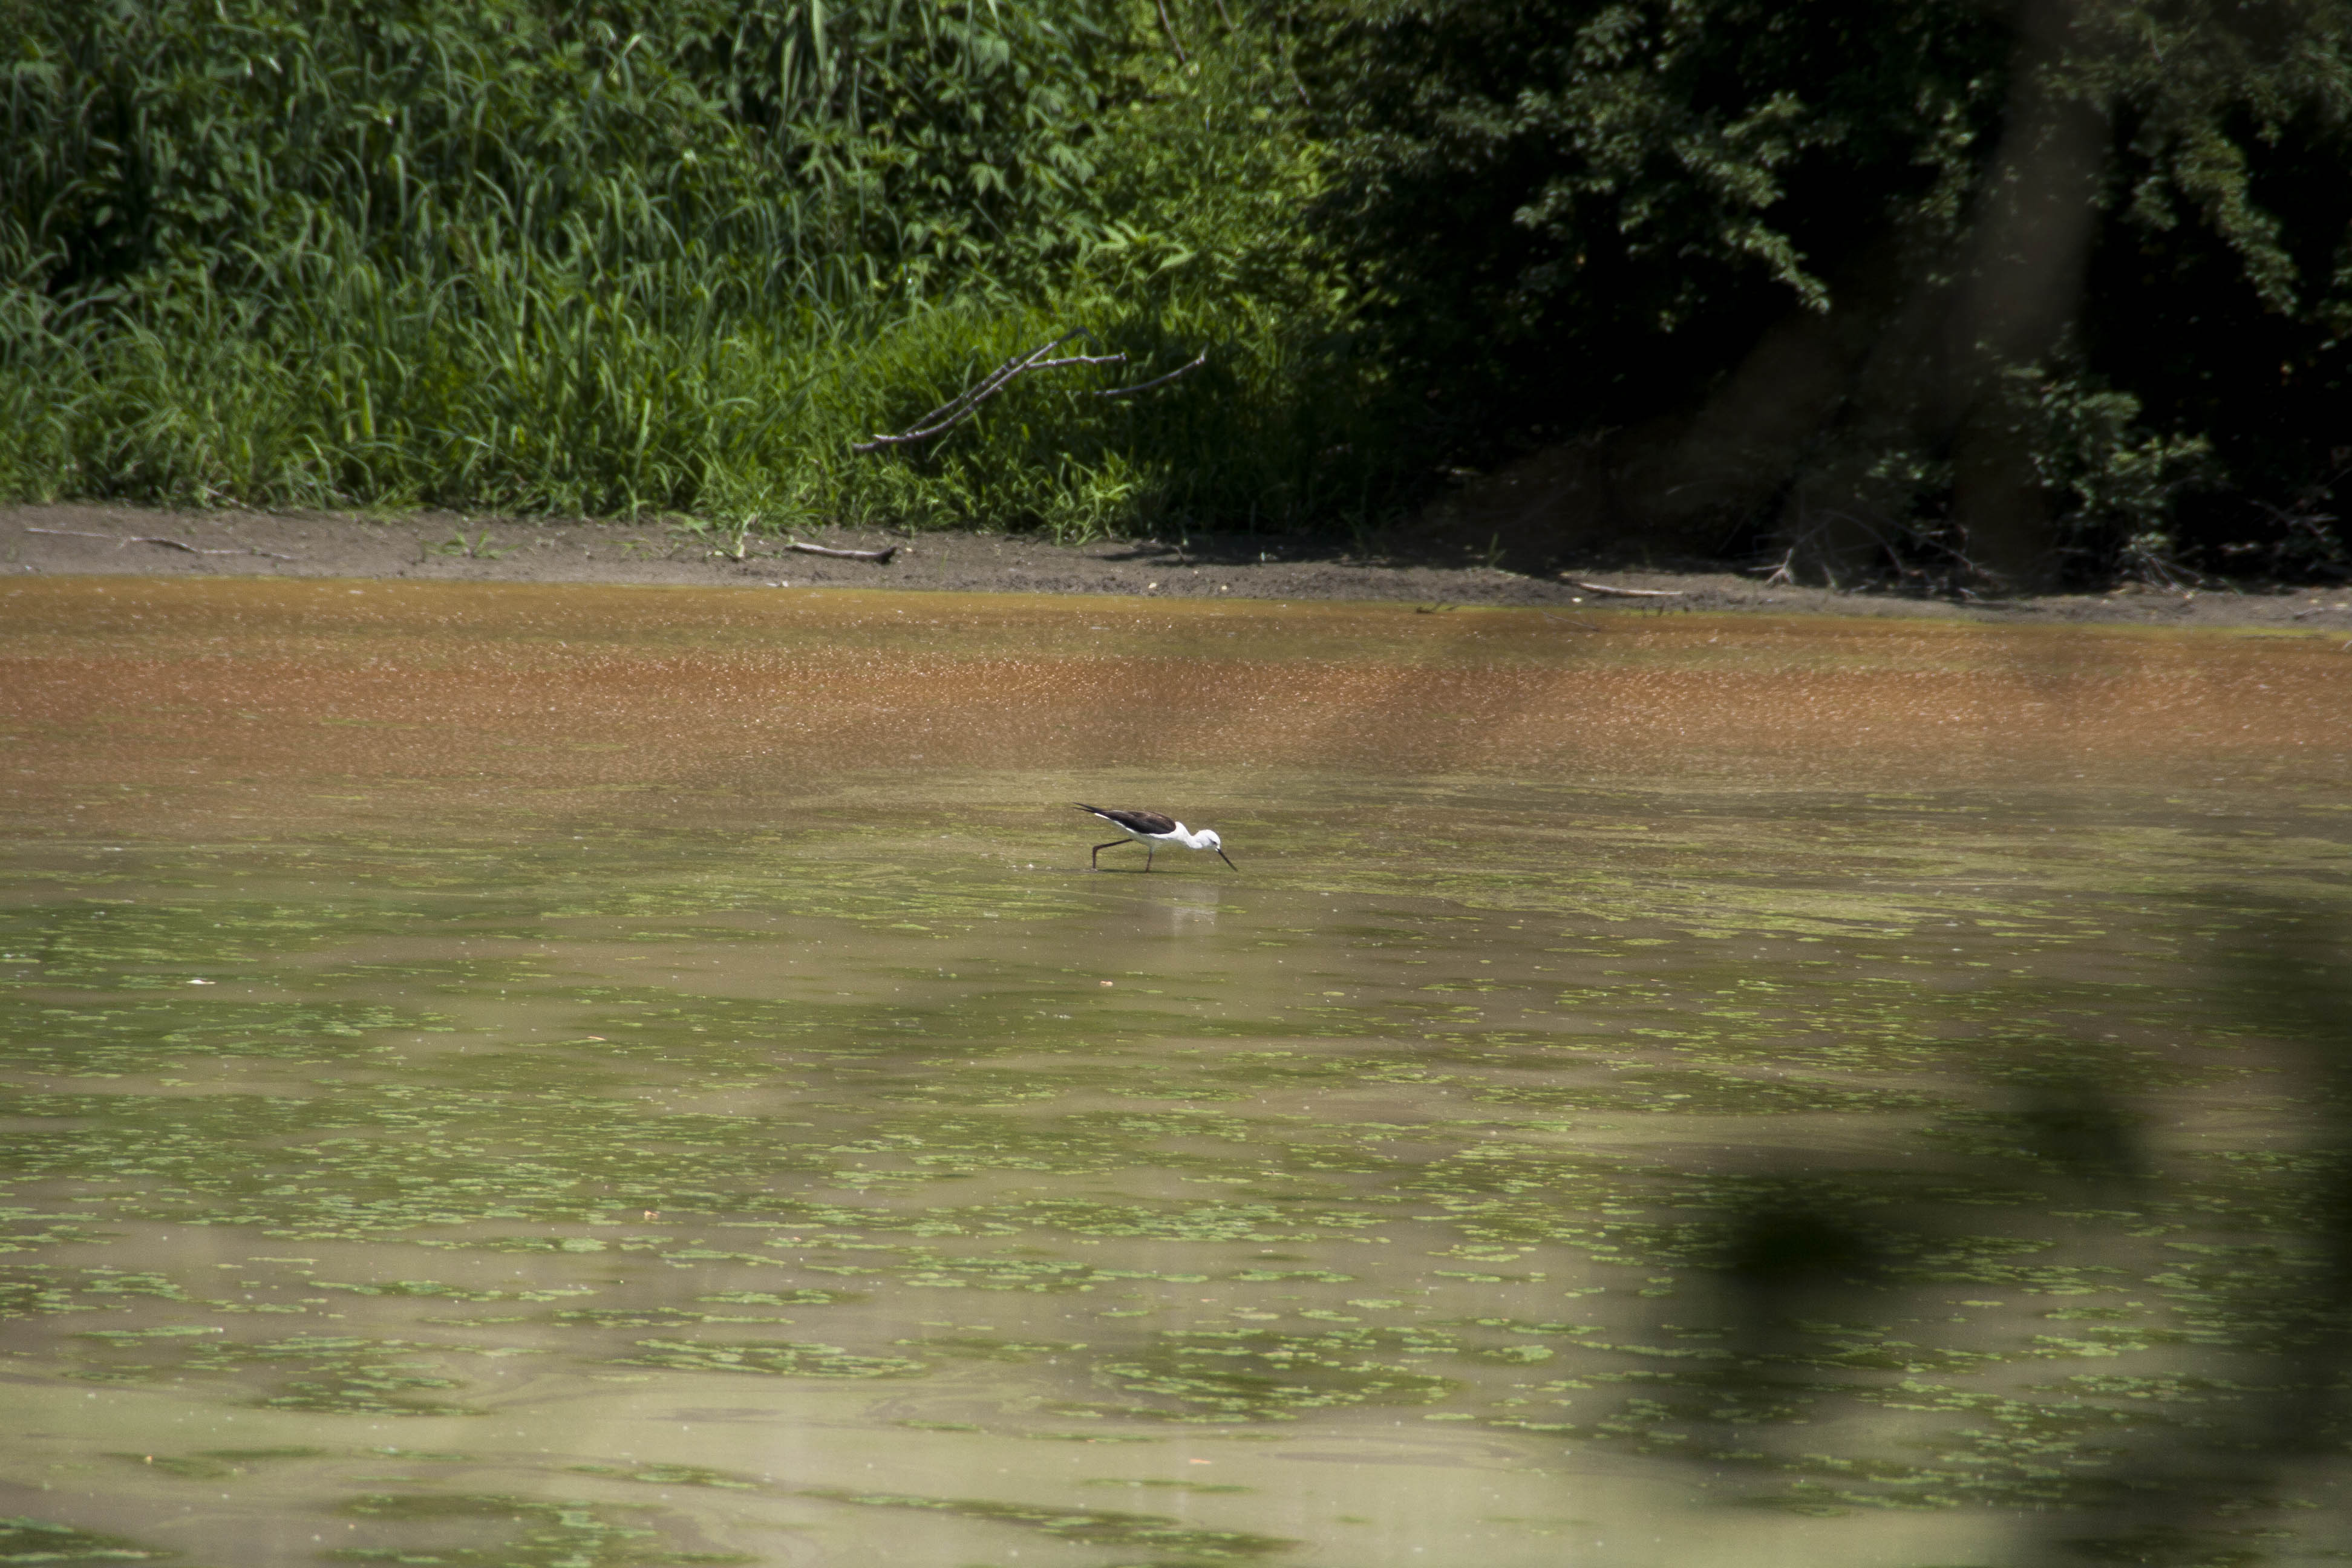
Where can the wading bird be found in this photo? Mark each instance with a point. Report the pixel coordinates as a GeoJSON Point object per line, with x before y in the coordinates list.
{"type": "Point", "coordinates": [1151, 830]}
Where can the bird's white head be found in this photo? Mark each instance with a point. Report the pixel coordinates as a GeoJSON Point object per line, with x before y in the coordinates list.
{"type": "Point", "coordinates": [1207, 839]}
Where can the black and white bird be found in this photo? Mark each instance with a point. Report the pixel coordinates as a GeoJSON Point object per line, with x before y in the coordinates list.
{"type": "Point", "coordinates": [1151, 830]}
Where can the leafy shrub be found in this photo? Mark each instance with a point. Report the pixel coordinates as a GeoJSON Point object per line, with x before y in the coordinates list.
{"type": "Point", "coordinates": [1571, 214]}
{"type": "Point", "coordinates": [606, 257]}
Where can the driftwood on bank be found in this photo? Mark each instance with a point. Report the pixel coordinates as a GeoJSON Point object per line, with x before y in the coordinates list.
{"type": "Point", "coordinates": [961, 407]}
{"type": "Point", "coordinates": [118, 539]}
{"type": "Point", "coordinates": [881, 557]}
{"type": "Point", "coordinates": [1606, 590]}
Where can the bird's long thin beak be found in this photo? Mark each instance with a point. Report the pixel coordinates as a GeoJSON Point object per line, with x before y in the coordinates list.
{"type": "Point", "coordinates": [1227, 859]}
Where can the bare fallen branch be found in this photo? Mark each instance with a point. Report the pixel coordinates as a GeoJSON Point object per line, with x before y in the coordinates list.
{"type": "Point", "coordinates": [118, 540]}
{"type": "Point", "coordinates": [878, 556]}
{"type": "Point", "coordinates": [1604, 588]}
{"type": "Point", "coordinates": [962, 406]}
{"type": "Point", "coordinates": [1173, 42]}
{"type": "Point", "coordinates": [1199, 360]}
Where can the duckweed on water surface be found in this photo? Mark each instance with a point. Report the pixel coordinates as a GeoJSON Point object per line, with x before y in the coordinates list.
{"type": "Point", "coordinates": [542, 1534]}
{"type": "Point", "coordinates": [1948, 1154]}
{"type": "Point", "coordinates": [35, 1541]}
{"type": "Point", "coordinates": [1171, 1542]}
{"type": "Point", "coordinates": [827, 1133]}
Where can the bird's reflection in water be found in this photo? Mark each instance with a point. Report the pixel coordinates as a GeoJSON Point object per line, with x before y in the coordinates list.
{"type": "Point", "coordinates": [1185, 917]}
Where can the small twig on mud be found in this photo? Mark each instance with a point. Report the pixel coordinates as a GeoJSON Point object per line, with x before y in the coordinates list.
{"type": "Point", "coordinates": [1197, 360]}
{"type": "Point", "coordinates": [877, 556]}
{"type": "Point", "coordinates": [1626, 593]}
{"type": "Point", "coordinates": [742, 549]}
{"type": "Point", "coordinates": [962, 406]}
{"type": "Point", "coordinates": [1570, 620]}
{"type": "Point", "coordinates": [152, 538]}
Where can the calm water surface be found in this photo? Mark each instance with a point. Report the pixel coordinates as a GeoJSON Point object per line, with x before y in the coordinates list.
{"type": "Point", "coordinates": [568, 1077]}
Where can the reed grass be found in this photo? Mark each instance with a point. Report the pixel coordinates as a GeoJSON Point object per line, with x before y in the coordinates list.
{"type": "Point", "coordinates": [584, 261]}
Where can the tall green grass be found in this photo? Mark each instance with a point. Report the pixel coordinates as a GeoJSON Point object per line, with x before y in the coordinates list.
{"type": "Point", "coordinates": [590, 259]}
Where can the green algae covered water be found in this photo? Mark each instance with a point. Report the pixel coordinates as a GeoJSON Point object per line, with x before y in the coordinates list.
{"type": "Point", "coordinates": [572, 1077]}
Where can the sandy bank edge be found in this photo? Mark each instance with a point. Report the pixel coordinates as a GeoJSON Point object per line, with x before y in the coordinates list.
{"type": "Point", "coordinates": [424, 546]}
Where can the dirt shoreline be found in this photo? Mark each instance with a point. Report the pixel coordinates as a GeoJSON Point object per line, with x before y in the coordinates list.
{"type": "Point", "coordinates": [425, 546]}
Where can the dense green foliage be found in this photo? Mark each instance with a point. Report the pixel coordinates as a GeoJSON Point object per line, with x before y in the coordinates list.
{"type": "Point", "coordinates": [604, 258]}
{"type": "Point", "coordinates": [1825, 250]}
{"type": "Point", "coordinates": [1947, 279]}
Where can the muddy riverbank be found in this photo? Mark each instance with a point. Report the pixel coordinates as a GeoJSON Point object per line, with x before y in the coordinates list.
{"type": "Point", "coordinates": [441, 546]}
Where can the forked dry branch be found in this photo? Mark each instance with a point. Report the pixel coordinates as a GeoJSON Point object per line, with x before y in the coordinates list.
{"type": "Point", "coordinates": [962, 406]}
{"type": "Point", "coordinates": [1186, 369]}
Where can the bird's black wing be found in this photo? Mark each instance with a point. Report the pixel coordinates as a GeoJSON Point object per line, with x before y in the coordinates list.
{"type": "Point", "coordinates": [1139, 821]}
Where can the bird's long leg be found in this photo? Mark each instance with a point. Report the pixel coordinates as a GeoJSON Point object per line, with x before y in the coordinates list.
{"type": "Point", "coordinates": [1094, 860]}
{"type": "Point", "coordinates": [1148, 851]}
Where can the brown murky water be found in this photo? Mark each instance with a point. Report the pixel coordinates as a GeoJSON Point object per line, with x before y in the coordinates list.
{"type": "Point", "coordinates": [202, 700]}
{"type": "Point", "coordinates": [508, 1075]}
